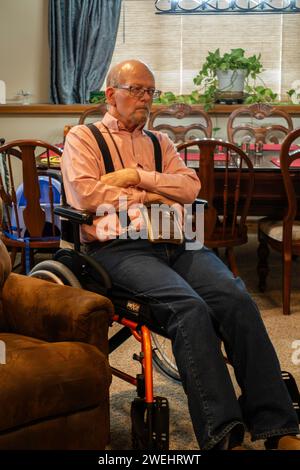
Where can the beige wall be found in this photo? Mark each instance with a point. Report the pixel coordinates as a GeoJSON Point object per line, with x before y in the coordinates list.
{"type": "Point", "coordinates": [24, 52]}
{"type": "Point", "coordinates": [48, 128]}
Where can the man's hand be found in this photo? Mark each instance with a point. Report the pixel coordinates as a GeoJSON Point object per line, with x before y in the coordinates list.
{"type": "Point", "coordinates": [122, 178]}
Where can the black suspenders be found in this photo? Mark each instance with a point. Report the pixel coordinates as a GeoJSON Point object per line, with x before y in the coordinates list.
{"type": "Point", "coordinates": [109, 166]}
{"type": "Point", "coordinates": [157, 150]}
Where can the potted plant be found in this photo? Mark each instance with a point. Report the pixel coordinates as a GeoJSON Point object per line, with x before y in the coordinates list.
{"type": "Point", "coordinates": [224, 75]}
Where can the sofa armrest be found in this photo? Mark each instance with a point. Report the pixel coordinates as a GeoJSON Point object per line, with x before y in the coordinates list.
{"type": "Point", "coordinates": [37, 308]}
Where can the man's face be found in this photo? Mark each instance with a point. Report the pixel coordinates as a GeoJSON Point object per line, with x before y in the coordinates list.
{"type": "Point", "coordinates": [131, 110]}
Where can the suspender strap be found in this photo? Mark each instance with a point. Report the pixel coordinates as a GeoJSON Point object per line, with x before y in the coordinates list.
{"type": "Point", "coordinates": [157, 150]}
{"type": "Point", "coordinates": [109, 166]}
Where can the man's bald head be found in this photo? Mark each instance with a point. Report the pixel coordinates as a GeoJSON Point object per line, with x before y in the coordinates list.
{"type": "Point", "coordinates": [129, 93]}
{"type": "Point", "coordinates": [120, 72]}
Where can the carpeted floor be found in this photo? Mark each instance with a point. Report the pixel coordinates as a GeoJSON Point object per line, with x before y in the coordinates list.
{"type": "Point", "coordinates": [283, 330]}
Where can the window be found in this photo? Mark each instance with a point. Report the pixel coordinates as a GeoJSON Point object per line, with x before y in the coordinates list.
{"type": "Point", "coordinates": [175, 45]}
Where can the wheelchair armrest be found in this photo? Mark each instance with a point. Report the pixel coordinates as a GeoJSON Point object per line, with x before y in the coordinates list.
{"type": "Point", "coordinates": [199, 201]}
{"type": "Point", "coordinates": [76, 216]}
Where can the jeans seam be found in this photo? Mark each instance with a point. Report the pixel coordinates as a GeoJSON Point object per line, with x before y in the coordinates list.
{"type": "Point", "coordinates": [278, 432]}
{"type": "Point", "coordinates": [218, 437]}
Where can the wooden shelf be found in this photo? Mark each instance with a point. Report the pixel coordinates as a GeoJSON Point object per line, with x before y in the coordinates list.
{"type": "Point", "coordinates": [43, 109]}
{"type": "Point", "coordinates": [76, 109]}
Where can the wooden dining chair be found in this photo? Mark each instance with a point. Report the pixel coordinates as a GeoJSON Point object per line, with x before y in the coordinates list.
{"type": "Point", "coordinates": [227, 179]}
{"type": "Point", "coordinates": [282, 235]}
{"type": "Point", "coordinates": [181, 122]}
{"type": "Point", "coordinates": [29, 194]}
{"type": "Point", "coordinates": [258, 123]}
{"type": "Point", "coordinates": [97, 112]}
{"type": "Point", "coordinates": [94, 113]}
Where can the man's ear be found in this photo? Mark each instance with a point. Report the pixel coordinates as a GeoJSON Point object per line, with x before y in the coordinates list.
{"type": "Point", "coordinates": [110, 96]}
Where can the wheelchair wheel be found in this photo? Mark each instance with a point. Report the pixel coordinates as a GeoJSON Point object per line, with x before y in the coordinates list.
{"type": "Point", "coordinates": [56, 272]}
{"type": "Point", "coordinates": [163, 356]}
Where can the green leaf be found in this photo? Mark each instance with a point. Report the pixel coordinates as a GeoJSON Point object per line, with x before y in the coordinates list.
{"type": "Point", "coordinates": [290, 92]}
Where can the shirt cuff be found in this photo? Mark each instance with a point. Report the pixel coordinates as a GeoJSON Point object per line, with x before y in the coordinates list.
{"type": "Point", "coordinates": [147, 180]}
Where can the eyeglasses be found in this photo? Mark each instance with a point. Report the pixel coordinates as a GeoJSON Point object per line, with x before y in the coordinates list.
{"type": "Point", "coordinates": [138, 91]}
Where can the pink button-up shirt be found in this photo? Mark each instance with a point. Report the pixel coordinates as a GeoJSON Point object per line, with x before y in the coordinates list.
{"type": "Point", "coordinates": [82, 167]}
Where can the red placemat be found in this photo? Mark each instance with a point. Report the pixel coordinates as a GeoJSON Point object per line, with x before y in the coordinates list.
{"type": "Point", "coordinates": [277, 147]}
{"type": "Point", "coordinates": [53, 157]}
{"type": "Point", "coordinates": [296, 163]}
{"type": "Point", "coordinates": [272, 147]}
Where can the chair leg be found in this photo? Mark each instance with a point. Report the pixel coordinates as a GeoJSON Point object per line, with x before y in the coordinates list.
{"type": "Point", "coordinates": [286, 284]}
{"type": "Point", "coordinates": [232, 261]}
{"type": "Point", "coordinates": [262, 264]}
{"type": "Point", "coordinates": [23, 261]}
{"type": "Point", "coordinates": [216, 251]}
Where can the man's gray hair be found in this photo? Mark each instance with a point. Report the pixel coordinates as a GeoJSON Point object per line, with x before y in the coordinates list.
{"type": "Point", "coordinates": [112, 78]}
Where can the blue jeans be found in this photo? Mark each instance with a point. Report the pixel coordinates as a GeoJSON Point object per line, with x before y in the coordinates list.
{"type": "Point", "coordinates": [200, 303]}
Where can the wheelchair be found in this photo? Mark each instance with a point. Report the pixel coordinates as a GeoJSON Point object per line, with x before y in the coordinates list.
{"type": "Point", "coordinates": [149, 413]}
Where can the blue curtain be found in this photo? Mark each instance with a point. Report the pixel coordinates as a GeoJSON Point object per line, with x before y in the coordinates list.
{"type": "Point", "coordinates": [82, 36]}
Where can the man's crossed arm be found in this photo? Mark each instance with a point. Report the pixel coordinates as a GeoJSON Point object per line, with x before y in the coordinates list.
{"type": "Point", "coordinates": [130, 177]}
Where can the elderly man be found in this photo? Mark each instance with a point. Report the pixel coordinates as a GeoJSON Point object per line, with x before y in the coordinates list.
{"type": "Point", "coordinates": [191, 292]}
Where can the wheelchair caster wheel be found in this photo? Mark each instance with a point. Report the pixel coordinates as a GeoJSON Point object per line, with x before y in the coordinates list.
{"type": "Point", "coordinates": [150, 424]}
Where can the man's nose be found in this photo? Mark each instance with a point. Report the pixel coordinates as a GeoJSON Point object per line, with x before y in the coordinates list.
{"type": "Point", "coordinates": [146, 96]}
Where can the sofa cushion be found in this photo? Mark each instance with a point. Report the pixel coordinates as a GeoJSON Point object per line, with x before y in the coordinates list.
{"type": "Point", "coordinates": [41, 380]}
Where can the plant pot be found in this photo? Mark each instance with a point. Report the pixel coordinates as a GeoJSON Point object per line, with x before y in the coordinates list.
{"type": "Point", "coordinates": [231, 85]}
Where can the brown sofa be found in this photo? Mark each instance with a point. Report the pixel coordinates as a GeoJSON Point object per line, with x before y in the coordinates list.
{"type": "Point", "coordinates": [54, 375]}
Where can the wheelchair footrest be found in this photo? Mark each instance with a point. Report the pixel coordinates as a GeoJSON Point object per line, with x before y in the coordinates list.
{"type": "Point", "coordinates": [150, 424]}
{"type": "Point", "coordinates": [293, 390]}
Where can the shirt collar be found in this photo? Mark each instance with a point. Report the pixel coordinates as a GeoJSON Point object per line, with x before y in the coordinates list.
{"type": "Point", "coordinates": [116, 126]}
